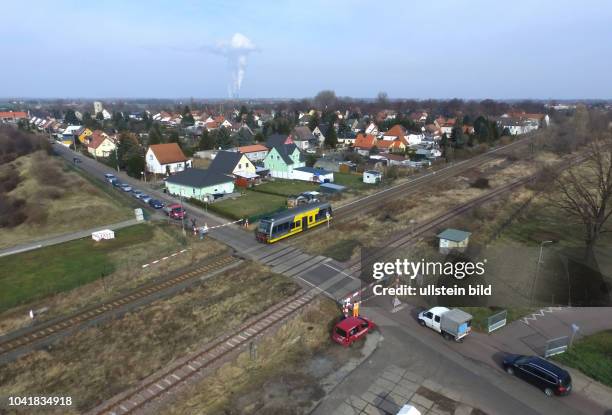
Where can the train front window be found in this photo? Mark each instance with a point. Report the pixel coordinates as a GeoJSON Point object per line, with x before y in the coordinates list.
{"type": "Point", "coordinates": [264, 227]}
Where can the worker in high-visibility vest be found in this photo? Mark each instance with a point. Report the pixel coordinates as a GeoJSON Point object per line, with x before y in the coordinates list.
{"type": "Point", "coordinates": [356, 310]}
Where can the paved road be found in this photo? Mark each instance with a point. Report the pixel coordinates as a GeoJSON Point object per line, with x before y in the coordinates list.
{"type": "Point", "coordinates": [64, 238]}
{"type": "Point", "coordinates": [481, 355]}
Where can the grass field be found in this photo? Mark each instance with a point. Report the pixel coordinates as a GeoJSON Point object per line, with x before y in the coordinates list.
{"type": "Point", "coordinates": [250, 205]}
{"type": "Point", "coordinates": [286, 188]}
{"type": "Point", "coordinates": [140, 343]}
{"type": "Point", "coordinates": [32, 275]}
{"type": "Point", "coordinates": [353, 181]}
{"type": "Point", "coordinates": [58, 201]}
{"type": "Point", "coordinates": [592, 355]}
{"type": "Point", "coordinates": [282, 379]}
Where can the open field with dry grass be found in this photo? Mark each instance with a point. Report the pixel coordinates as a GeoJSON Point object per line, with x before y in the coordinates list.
{"type": "Point", "coordinates": [395, 216]}
{"type": "Point", "coordinates": [123, 271]}
{"type": "Point", "coordinates": [284, 379]}
{"type": "Point", "coordinates": [97, 363]}
{"type": "Point", "coordinates": [56, 200]}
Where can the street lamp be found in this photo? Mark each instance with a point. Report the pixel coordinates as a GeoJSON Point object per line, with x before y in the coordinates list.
{"type": "Point", "coordinates": [535, 279]}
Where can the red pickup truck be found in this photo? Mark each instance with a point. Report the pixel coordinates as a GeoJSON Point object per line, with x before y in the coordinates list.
{"type": "Point", "coordinates": [175, 211]}
{"type": "Point", "coordinates": [351, 329]}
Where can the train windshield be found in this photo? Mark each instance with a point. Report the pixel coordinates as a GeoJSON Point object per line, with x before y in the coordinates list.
{"type": "Point", "coordinates": [264, 226]}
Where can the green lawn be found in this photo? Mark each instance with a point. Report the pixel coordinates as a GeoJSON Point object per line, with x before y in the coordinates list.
{"type": "Point", "coordinates": [33, 275]}
{"type": "Point", "coordinates": [286, 188]}
{"type": "Point", "coordinates": [250, 205]}
{"type": "Point", "coordinates": [352, 181]}
{"type": "Point", "coordinates": [592, 355]}
{"type": "Point", "coordinates": [481, 314]}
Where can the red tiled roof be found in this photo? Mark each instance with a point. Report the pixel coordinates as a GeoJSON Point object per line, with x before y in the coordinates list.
{"type": "Point", "coordinates": [168, 153]}
{"type": "Point", "coordinates": [365, 141]}
{"type": "Point", "coordinates": [13, 114]}
{"type": "Point", "coordinates": [97, 138]}
{"type": "Point", "coordinates": [252, 148]}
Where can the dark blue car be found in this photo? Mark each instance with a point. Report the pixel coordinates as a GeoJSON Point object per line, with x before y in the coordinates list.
{"type": "Point", "coordinates": [156, 204]}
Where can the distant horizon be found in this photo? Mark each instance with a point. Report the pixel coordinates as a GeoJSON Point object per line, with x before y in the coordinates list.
{"type": "Point", "coordinates": [225, 99]}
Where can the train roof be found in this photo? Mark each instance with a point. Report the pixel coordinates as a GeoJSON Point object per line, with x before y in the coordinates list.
{"type": "Point", "coordinates": [289, 213]}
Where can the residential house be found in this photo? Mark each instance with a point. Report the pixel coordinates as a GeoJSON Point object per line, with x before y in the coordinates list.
{"type": "Point", "coordinates": [282, 159]}
{"type": "Point", "coordinates": [12, 116]}
{"type": "Point", "coordinates": [318, 133]}
{"type": "Point", "coordinates": [100, 144]}
{"type": "Point", "coordinates": [347, 138]}
{"type": "Point", "coordinates": [391, 146]}
{"type": "Point", "coordinates": [364, 143]}
{"type": "Point", "coordinates": [372, 129]}
{"type": "Point", "coordinates": [166, 159]}
{"type": "Point", "coordinates": [303, 138]}
{"type": "Point", "coordinates": [70, 134]}
{"type": "Point", "coordinates": [277, 140]}
{"type": "Point", "coordinates": [233, 163]}
{"type": "Point", "coordinates": [204, 185]}
{"type": "Point", "coordinates": [254, 152]}
{"type": "Point", "coordinates": [85, 135]}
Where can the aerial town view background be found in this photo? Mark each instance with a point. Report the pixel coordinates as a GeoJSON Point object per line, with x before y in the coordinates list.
{"type": "Point", "coordinates": [325, 208]}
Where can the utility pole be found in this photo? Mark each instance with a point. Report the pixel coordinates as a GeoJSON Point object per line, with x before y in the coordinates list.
{"type": "Point", "coordinates": [182, 213]}
{"type": "Point", "coordinates": [116, 158]}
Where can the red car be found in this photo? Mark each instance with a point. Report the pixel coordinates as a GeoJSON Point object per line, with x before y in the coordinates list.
{"type": "Point", "coordinates": [175, 211]}
{"type": "Point", "coordinates": [351, 329]}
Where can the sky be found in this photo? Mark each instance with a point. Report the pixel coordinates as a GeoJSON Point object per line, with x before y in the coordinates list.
{"type": "Point", "coordinates": [471, 49]}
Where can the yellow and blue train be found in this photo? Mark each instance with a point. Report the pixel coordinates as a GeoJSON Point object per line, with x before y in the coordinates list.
{"type": "Point", "coordinates": [292, 221]}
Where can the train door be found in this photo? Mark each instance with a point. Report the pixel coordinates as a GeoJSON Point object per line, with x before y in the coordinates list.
{"type": "Point", "coordinates": [304, 223]}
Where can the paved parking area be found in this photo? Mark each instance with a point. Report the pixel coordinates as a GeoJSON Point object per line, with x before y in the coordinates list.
{"type": "Point", "coordinates": [397, 387]}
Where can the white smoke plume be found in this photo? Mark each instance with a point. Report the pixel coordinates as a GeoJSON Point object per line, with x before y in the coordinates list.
{"type": "Point", "coordinates": [236, 50]}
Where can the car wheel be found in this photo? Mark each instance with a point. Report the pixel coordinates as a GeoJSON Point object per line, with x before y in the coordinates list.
{"type": "Point", "coordinates": [422, 323]}
{"type": "Point", "coordinates": [548, 392]}
{"type": "Point", "coordinates": [510, 370]}
{"type": "Point", "coordinates": [446, 336]}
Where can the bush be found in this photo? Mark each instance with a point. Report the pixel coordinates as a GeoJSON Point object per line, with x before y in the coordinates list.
{"type": "Point", "coordinates": [481, 183]}
{"type": "Point", "coordinates": [12, 212]}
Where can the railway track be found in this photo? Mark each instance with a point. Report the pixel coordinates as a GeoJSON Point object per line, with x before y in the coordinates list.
{"type": "Point", "coordinates": [43, 332]}
{"type": "Point", "coordinates": [166, 380]}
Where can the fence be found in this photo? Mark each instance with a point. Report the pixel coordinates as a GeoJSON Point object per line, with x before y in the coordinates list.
{"type": "Point", "coordinates": [497, 321]}
{"type": "Point", "coordinates": [556, 346]}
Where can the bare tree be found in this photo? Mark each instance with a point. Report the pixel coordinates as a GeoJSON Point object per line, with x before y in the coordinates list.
{"type": "Point", "coordinates": [586, 193]}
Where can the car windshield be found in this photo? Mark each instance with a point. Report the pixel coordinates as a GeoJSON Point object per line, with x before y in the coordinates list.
{"type": "Point", "coordinates": [340, 332]}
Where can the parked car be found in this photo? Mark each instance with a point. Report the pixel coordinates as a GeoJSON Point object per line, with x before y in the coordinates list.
{"type": "Point", "coordinates": [541, 373]}
{"type": "Point", "coordinates": [137, 193]}
{"type": "Point", "coordinates": [156, 204]}
{"type": "Point", "coordinates": [175, 211]}
{"type": "Point", "coordinates": [117, 183]}
{"type": "Point", "coordinates": [452, 324]}
{"type": "Point", "coordinates": [126, 187]}
{"type": "Point", "coordinates": [351, 329]}
{"type": "Point", "coordinates": [145, 198]}
{"type": "Point", "coordinates": [109, 177]}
